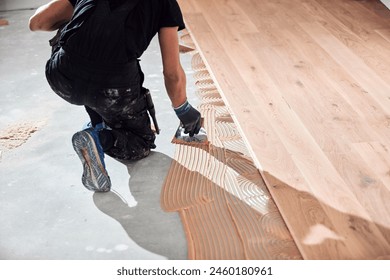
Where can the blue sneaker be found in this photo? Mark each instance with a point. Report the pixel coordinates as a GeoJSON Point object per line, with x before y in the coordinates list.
{"type": "Point", "coordinates": [87, 145]}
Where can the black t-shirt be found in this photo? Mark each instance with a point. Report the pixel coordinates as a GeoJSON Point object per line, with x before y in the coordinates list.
{"type": "Point", "coordinates": [145, 20]}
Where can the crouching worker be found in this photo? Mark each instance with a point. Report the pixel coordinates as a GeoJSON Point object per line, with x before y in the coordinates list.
{"type": "Point", "coordinates": [94, 63]}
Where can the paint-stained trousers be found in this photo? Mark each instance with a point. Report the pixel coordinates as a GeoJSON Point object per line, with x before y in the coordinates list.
{"type": "Point", "coordinates": [115, 96]}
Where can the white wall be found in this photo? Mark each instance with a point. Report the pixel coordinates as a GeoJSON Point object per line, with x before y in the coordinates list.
{"type": "Point", "coordinates": [20, 4]}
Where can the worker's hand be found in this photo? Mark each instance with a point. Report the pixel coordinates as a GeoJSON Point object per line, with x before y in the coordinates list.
{"type": "Point", "coordinates": [189, 117]}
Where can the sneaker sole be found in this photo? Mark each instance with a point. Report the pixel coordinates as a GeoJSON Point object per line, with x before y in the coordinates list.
{"type": "Point", "coordinates": [95, 177]}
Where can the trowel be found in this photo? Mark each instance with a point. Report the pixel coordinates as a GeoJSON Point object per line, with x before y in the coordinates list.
{"type": "Point", "coordinates": [181, 137]}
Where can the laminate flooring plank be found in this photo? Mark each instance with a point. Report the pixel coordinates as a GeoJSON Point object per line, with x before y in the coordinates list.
{"type": "Point", "coordinates": [377, 7]}
{"type": "Point", "coordinates": [371, 48]}
{"type": "Point", "coordinates": [384, 33]}
{"type": "Point", "coordinates": [308, 93]}
{"type": "Point", "coordinates": [337, 149]}
{"type": "Point", "coordinates": [367, 78]}
{"type": "Point", "coordinates": [368, 199]}
{"type": "Point", "coordinates": [286, 118]}
{"type": "Point", "coordinates": [266, 137]}
{"type": "Point", "coordinates": [347, 56]}
{"type": "Point", "coordinates": [353, 15]}
{"type": "Point", "coordinates": [319, 58]}
{"type": "Point", "coordinates": [312, 157]}
{"type": "Point", "coordinates": [352, 99]}
{"type": "Point", "coordinates": [266, 140]}
{"type": "Point", "coordinates": [378, 153]}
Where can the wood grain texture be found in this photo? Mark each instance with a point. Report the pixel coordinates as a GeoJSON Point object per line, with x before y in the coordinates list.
{"type": "Point", "coordinates": [307, 83]}
{"type": "Point", "coordinates": [226, 209]}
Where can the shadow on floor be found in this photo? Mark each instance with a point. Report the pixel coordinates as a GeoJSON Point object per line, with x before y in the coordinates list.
{"type": "Point", "coordinates": [162, 232]}
{"type": "Point", "coordinates": [147, 224]}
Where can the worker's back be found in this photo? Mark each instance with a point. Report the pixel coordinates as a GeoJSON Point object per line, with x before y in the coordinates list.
{"type": "Point", "coordinates": [96, 34]}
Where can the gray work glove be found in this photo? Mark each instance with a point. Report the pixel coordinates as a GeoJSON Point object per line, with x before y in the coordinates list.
{"type": "Point", "coordinates": [189, 117]}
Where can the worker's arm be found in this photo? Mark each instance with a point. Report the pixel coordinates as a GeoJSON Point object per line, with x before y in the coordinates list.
{"type": "Point", "coordinates": [174, 76]}
{"type": "Point", "coordinates": [175, 80]}
{"type": "Point", "coordinates": [51, 16]}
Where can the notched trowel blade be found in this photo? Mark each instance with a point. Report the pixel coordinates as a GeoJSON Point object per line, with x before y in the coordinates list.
{"type": "Point", "coordinates": [184, 138]}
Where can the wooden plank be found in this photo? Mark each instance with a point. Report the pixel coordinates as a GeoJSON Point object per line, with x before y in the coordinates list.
{"type": "Point", "coordinates": [306, 88]}
{"type": "Point", "coordinates": [351, 14]}
{"type": "Point", "coordinates": [384, 33]}
{"type": "Point", "coordinates": [267, 141]}
{"type": "Point", "coordinates": [370, 47]}
{"type": "Point", "coordinates": [375, 85]}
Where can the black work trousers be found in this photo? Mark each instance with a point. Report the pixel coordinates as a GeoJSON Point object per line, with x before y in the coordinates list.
{"type": "Point", "coordinates": [116, 95]}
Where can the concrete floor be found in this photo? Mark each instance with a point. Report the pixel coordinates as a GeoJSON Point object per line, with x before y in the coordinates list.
{"type": "Point", "coordinates": [46, 213]}
{"type": "Point", "coordinates": [386, 2]}
{"type": "Point", "coordinates": [7, 5]}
